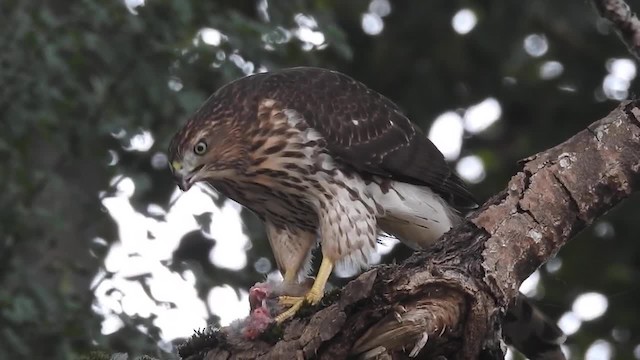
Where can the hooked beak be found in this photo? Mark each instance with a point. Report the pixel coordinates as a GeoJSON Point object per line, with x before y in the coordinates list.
{"type": "Point", "coordinates": [183, 178]}
{"type": "Point", "coordinates": [184, 183]}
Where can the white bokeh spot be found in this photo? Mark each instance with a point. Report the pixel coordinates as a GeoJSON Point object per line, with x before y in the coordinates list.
{"type": "Point", "coordinates": [211, 36]}
{"type": "Point", "coordinates": [142, 142]}
{"type": "Point", "coordinates": [616, 84]}
{"type": "Point", "coordinates": [464, 21]}
{"type": "Point", "coordinates": [479, 117]}
{"type": "Point", "coordinates": [536, 45]}
{"type": "Point", "coordinates": [599, 350]}
{"type": "Point", "coordinates": [551, 69]}
{"type": "Point", "coordinates": [569, 323]}
{"type": "Point", "coordinates": [372, 23]}
{"type": "Point", "coordinates": [590, 306]}
{"type": "Point", "coordinates": [446, 134]}
{"type": "Point", "coordinates": [471, 169]}
{"type": "Point", "coordinates": [529, 287]}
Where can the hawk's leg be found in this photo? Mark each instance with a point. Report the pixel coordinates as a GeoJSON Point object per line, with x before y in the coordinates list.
{"type": "Point", "coordinates": [348, 229]}
{"type": "Point", "coordinates": [313, 296]}
{"type": "Point", "coordinates": [291, 281]}
{"type": "Point", "coordinates": [291, 248]}
{"type": "Point", "coordinates": [290, 277]}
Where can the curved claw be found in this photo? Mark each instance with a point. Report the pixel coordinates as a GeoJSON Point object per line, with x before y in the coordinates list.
{"type": "Point", "coordinates": [296, 302]}
{"type": "Point", "coordinates": [312, 297]}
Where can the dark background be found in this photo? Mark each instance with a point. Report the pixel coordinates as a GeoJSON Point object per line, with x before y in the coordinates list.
{"type": "Point", "coordinates": [74, 72]}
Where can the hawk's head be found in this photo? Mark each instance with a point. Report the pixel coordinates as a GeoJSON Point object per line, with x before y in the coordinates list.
{"type": "Point", "coordinates": [206, 149]}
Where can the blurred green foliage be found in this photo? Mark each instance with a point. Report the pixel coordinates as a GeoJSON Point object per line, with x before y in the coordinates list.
{"type": "Point", "coordinates": [73, 74]}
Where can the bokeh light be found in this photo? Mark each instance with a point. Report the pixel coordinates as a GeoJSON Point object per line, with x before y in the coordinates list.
{"type": "Point", "coordinates": [616, 84]}
{"type": "Point", "coordinates": [481, 116]}
{"type": "Point", "coordinates": [471, 169]}
{"type": "Point", "coordinates": [464, 21]}
{"type": "Point", "coordinates": [590, 306]}
{"type": "Point", "coordinates": [599, 350]}
{"type": "Point", "coordinates": [536, 45]}
{"type": "Point", "coordinates": [551, 70]}
{"type": "Point", "coordinates": [569, 323]}
{"type": "Point", "coordinates": [529, 287]}
{"type": "Point", "coordinates": [446, 134]}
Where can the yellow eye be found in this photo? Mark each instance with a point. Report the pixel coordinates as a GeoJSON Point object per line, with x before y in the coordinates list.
{"type": "Point", "coordinates": [200, 148]}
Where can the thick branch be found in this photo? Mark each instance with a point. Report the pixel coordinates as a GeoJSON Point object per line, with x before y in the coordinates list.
{"type": "Point", "coordinates": [449, 301]}
{"type": "Point", "coordinates": [624, 21]}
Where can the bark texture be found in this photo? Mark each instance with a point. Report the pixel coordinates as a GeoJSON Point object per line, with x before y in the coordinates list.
{"type": "Point", "coordinates": [624, 21]}
{"type": "Point", "coordinates": [449, 300]}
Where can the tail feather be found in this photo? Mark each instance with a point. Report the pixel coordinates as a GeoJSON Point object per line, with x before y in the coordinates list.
{"type": "Point", "coordinates": [531, 332]}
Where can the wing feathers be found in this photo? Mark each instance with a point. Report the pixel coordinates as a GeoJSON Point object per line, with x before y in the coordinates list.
{"type": "Point", "coordinates": [363, 129]}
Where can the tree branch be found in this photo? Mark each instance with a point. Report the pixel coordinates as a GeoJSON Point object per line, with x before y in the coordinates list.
{"type": "Point", "coordinates": [624, 21]}
{"type": "Point", "coordinates": [449, 300]}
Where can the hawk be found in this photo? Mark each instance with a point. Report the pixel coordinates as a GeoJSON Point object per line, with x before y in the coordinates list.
{"type": "Point", "coordinates": [320, 158]}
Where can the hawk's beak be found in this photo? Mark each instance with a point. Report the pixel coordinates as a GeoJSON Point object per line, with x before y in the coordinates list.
{"type": "Point", "coordinates": [184, 184]}
{"type": "Point", "coordinates": [183, 178]}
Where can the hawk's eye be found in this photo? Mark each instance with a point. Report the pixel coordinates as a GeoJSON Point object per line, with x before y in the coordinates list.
{"type": "Point", "coordinates": [200, 148]}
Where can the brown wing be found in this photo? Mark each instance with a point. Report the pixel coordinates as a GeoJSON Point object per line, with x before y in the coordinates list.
{"type": "Point", "coordinates": [365, 130]}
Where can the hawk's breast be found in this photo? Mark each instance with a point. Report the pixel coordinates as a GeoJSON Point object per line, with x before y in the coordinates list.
{"type": "Point", "coordinates": [286, 179]}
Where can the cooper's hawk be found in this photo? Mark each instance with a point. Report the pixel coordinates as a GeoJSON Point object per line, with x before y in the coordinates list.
{"type": "Point", "coordinates": [318, 155]}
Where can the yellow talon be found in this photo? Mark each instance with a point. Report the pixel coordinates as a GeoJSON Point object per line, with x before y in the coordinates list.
{"type": "Point", "coordinates": [314, 295]}
{"type": "Point", "coordinates": [290, 312]}
{"type": "Point", "coordinates": [289, 300]}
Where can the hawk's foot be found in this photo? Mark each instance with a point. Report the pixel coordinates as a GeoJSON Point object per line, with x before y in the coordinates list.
{"type": "Point", "coordinates": [313, 297]}
{"type": "Point", "coordinates": [290, 312]}
{"type": "Point", "coordinates": [286, 300]}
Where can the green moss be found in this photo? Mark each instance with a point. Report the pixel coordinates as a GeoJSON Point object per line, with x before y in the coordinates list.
{"type": "Point", "coordinates": [201, 341]}
{"type": "Point", "coordinates": [96, 355]}
{"type": "Point", "coordinates": [272, 334]}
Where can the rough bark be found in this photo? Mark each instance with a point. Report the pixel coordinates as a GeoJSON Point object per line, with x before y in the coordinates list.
{"type": "Point", "coordinates": [449, 300]}
{"type": "Point", "coordinates": [624, 21]}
